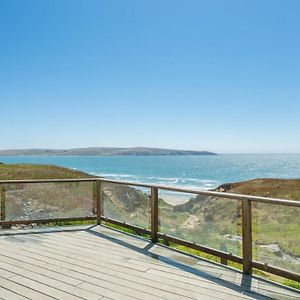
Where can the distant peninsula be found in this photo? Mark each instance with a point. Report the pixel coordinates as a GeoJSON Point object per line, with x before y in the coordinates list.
{"type": "Point", "coordinates": [105, 151]}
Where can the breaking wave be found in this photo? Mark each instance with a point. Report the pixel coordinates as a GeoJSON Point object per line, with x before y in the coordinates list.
{"type": "Point", "coordinates": [193, 183]}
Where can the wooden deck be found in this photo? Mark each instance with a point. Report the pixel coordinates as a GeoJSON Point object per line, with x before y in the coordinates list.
{"type": "Point", "coordinates": [94, 262]}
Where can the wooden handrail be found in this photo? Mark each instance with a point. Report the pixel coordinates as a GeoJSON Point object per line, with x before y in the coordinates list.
{"type": "Point", "coordinates": [98, 183]}
{"type": "Point", "coordinates": [48, 180]}
{"type": "Point", "coordinates": [168, 188]}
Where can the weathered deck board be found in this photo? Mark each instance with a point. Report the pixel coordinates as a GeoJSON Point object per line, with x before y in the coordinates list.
{"type": "Point", "coordinates": [120, 281]}
{"type": "Point", "coordinates": [94, 262]}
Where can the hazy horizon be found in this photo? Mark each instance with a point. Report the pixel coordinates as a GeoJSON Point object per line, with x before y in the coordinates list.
{"type": "Point", "coordinates": [168, 148]}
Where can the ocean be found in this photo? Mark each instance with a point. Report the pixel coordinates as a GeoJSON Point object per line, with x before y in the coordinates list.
{"type": "Point", "coordinates": [200, 172]}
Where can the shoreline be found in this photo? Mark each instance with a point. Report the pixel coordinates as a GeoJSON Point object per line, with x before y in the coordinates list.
{"type": "Point", "coordinates": [176, 198]}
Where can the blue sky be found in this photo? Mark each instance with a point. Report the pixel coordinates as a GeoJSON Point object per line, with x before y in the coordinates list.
{"type": "Point", "coordinates": [214, 75]}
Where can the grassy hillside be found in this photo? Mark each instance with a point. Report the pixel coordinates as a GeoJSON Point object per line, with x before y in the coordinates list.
{"type": "Point", "coordinates": [276, 188]}
{"type": "Point", "coordinates": [126, 204]}
{"type": "Point", "coordinates": [276, 228]}
{"type": "Point", "coordinates": [54, 200]}
{"type": "Point", "coordinates": [45, 200]}
{"type": "Point", "coordinates": [29, 171]}
{"type": "Point", "coordinates": [217, 221]}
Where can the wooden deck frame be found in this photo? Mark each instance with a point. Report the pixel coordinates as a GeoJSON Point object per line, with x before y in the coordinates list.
{"type": "Point", "coordinates": [46, 221]}
{"type": "Point", "coordinates": [246, 260]}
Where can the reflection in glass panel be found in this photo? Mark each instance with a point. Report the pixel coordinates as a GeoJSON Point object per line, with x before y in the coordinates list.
{"type": "Point", "coordinates": [208, 221]}
{"type": "Point", "coordinates": [127, 204]}
{"type": "Point", "coordinates": [31, 201]}
{"type": "Point", "coordinates": [276, 235]}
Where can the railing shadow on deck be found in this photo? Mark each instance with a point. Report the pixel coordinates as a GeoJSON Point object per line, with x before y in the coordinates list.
{"type": "Point", "coordinates": [245, 285]}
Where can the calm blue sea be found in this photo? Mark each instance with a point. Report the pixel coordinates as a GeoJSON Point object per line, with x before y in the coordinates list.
{"type": "Point", "coordinates": [204, 172]}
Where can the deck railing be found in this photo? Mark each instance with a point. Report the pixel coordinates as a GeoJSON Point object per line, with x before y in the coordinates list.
{"type": "Point", "coordinates": [97, 212]}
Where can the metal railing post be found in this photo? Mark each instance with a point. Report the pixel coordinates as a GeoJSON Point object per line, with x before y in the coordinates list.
{"type": "Point", "coordinates": [247, 236]}
{"type": "Point", "coordinates": [98, 201]}
{"type": "Point", "coordinates": [154, 214]}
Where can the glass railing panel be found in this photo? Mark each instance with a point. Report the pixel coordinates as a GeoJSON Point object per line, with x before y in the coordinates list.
{"type": "Point", "coordinates": [209, 221]}
{"type": "Point", "coordinates": [276, 235]}
{"type": "Point", "coordinates": [31, 201]}
{"type": "Point", "coordinates": [126, 203]}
